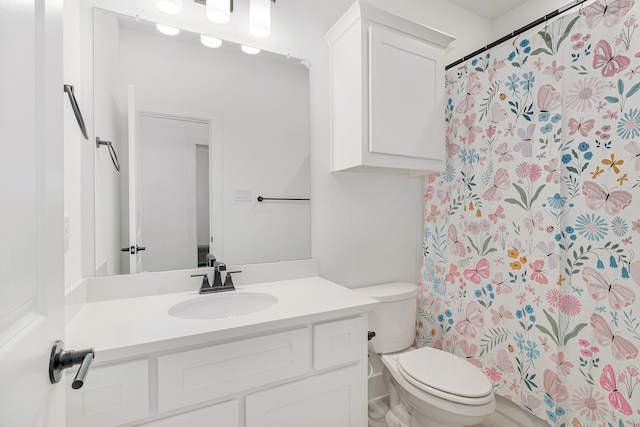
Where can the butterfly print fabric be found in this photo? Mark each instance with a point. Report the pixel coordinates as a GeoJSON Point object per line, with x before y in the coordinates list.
{"type": "Point", "coordinates": [531, 266]}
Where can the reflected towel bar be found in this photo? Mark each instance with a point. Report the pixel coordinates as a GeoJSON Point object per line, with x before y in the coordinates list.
{"type": "Point", "coordinates": [112, 151]}
{"type": "Point", "coordinates": [260, 199]}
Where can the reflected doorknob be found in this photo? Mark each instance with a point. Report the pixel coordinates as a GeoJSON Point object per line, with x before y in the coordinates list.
{"type": "Point", "coordinates": [62, 359]}
{"type": "Point", "coordinates": [134, 249]}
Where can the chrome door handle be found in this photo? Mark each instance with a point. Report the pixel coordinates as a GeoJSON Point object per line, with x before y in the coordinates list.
{"type": "Point", "coordinates": [62, 359]}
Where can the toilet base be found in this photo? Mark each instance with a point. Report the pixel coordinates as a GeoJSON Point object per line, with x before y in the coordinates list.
{"type": "Point", "coordinates": [392, 421]}
{"type": "Point", "coordinates": [412, 407]}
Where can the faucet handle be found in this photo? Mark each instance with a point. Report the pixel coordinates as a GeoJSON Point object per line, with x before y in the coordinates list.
{"type": "Point", "coordinates": [228, 280]}
{"type": "Point", "coordinates": [205, 281]}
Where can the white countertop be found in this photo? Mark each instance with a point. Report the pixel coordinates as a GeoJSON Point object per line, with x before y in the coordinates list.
{"type": "Point", "coordinates": [131, 327]}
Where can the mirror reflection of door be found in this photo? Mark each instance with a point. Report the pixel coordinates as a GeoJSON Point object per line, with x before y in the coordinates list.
{"type": "Point", "coordinates": [173, 183]}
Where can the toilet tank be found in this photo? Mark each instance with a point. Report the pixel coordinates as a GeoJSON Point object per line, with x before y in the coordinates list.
{"type": "Point", "coordinates": [394, 319]}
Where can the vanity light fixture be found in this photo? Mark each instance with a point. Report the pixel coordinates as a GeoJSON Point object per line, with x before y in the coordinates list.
{"type": "Point", "coordinates": [171, 7]}
{"type": "Point", "coordinates": [169, 31]}
{"type": "Point", "coordinates": [249, 49]}
{"type": "Point", "coordinates": [209, 41]}
{"type": "Point", "coordinates": [219, 12]}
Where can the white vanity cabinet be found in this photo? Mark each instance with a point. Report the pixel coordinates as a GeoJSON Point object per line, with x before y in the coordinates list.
{"type": "Point", "coordinates": [335, 397]}
{"type": "Point", "coordinates": [387, 93]}
{"type": "Point", "coordinates": [306, 375]}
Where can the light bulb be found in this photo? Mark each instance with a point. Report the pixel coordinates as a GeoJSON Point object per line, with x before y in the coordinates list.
{"type": "Point", "coordinates": [249, 49]}
{"type": "Point", "coordinates": [172, 7]}
{"type": "Point", "coordinates": [219, 11]}
{"type": "Point", "coordinates": [260, 18]}
{"type": "Point", "coordinates": [209, 41]}
{"type": "Point", "coordinates": [169, 31]}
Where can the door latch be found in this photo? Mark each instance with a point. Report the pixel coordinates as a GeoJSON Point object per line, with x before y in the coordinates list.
{"type": "Point", "coordinates": [62, 359]}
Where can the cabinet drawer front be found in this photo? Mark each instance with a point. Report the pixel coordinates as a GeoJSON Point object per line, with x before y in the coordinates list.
{"type": "Point", "coordinates": [208, 373]}
{"type": "Point", "coordinates": [340, 342]}
{"type": "Point", "coordinates": [112, 395]}
{"type": "Point", "coordinates": [225, 414]}
{"type": "Point", "coordinates": [334, 399]}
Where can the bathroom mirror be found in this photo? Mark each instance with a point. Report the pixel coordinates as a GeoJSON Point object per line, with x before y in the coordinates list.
{"type": "Point", "coordinates": [213, 129]}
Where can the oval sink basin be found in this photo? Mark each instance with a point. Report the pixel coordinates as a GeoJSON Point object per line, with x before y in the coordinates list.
{"type": "Point", "coordinates": [220, 306]}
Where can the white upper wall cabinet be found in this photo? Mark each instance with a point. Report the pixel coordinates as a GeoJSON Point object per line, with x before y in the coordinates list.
{"type": "Point", "coordinates": [387, 94]}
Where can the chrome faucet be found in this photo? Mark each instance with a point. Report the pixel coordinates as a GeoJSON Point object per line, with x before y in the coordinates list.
{"type": "Point", "coordinates": [218, 285]}
{"type": "Point", "coordinates": [218, 268]}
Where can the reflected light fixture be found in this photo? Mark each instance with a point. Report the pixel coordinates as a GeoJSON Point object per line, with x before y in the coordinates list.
{"type": "Point", "coordinates": [250, 49]}
{"type": "Point", "coordinates": [260, 18]}
{"type": "Point", "coordinates": [209, 41]}
{"type": "Point", "coordinates": [171, 7]}
{"type": "Point", "coordinates": [219, 11]}
{"type": "Point", "coordinates": [169, 31]}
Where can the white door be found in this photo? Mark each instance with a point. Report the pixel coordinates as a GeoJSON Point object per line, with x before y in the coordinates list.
{"type": "Point", "coordinates": [135, 233]}
{"type": "Point", "coordinates": [31, 212]}
{"type": "Point", "coordinates": [168, 191]}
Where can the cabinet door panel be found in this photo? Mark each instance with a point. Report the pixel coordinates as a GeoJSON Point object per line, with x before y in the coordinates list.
{"type": "Point", "coordinates": [406, 90]}
{"type": "Point", "coordinates": [212, 372]}
{"type": "Point", "coordinates": [111, 396]}
{"type": "Point", "coordinates": [336, 399]}
{"type": "Point", "coordinates": [339, 342]}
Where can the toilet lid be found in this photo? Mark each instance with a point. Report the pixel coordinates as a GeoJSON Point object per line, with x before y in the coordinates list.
{"type": "Point", "coordinates": [446, 374]}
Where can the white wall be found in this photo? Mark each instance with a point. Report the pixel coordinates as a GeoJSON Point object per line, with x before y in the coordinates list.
{"type": "Point", "coordinates": [523, 15]}
{"type": "Point", "coordinates": [72, 141]}
{"type": "Point", "coordinates": [78, 152]}
{"type": "Point", "coordinates": [107, 126]}
{"type": "Point", "coordinates": [365, 228]}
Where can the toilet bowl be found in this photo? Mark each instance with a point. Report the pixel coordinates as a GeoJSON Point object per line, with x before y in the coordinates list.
{"type": "Point", "coordinates": [441, 390]}
{"type": "Point", "coordinates": [427, 387]}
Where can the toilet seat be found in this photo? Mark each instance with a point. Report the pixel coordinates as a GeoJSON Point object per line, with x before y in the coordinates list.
{"type": "Point", "coordinates": [446, 376]}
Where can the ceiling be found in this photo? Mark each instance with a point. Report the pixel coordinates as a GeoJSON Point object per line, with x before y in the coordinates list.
{"type": "Point", "coordinates": [490, 9]}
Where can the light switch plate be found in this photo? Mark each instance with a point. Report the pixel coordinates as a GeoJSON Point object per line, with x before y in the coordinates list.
{"type": "Point", "coordinates": [242, 195]}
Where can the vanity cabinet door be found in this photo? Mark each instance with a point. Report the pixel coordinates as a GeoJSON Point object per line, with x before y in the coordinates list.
{"type": "Point", "coordinates": [339, 342]}
{"type": "Point", "coordinates": [112, 395]}
{"type": "Point", "coordinates": [335, 399]}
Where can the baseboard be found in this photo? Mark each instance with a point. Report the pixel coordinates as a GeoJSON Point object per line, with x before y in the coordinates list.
{"type": "Point", "coordinates": [507, 413]}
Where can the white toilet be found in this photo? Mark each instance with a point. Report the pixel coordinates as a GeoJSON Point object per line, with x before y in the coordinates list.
{"type": "Point", "coordinates": [427, 387]}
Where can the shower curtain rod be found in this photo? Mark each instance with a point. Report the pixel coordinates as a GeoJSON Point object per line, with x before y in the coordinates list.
{"type": "Point", "coordinates": [527, 27]}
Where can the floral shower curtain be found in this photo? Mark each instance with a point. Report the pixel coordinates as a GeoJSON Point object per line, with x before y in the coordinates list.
{"type": "Point", "coordinates": [531, 238]}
